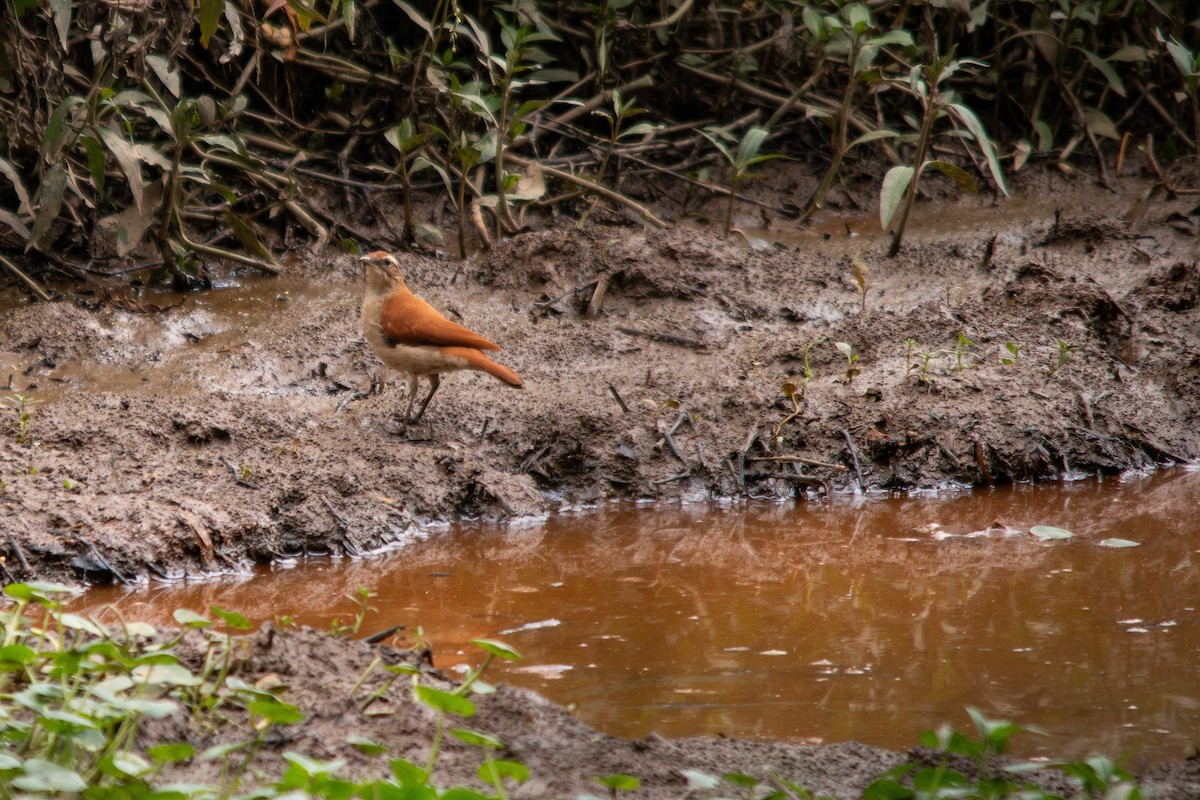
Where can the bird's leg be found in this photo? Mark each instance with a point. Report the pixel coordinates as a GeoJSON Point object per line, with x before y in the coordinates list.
{"type": "Point", "coordinates": [435, 380]}
{"type": "Point", "coordinates": [412, 398]}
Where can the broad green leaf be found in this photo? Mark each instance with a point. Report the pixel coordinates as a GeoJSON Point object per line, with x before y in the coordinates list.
{"type": "Point", "coordinates": [407, 773]}
{"type": "Point", "coordinates": [50, 203]}
{"type": "Point", "coordinates": [78, 623]}
{"type": "Point", "coordinates": [895, 184]}
{"type": "Point", "coordinates": [1046, 532]}
{"type": "Point", "coordinates": [1106, 69]}
{"type": "Point", "coordinates": [967, 117]}
{"type": "Point", "coordinates": [872, 136]}
{"type": "Point", "coordinates": [1185, 62]}
{"type": "Point", "coordinates": [131, 165]}
{"type": "Point", "coordinates": [957, 174]}
{"type": "Point", "coordinates": [350, 14]}
{"type": "Point", "coordinates": [45, 776]}
{"type": "Point", "coordinates": [443, 701]}
{"type": "Point", "coordinates": [1118, 543]}
{"type": "Point", "coordinates": [171, 753]}
{"type": "Point", "coordinates": [313, 766]}
{"type": "Point", "coordinates": [1130, 52]}
{"type": "Point", "coordinates": [512, 770]}
{"type": "Point", "coordinates": [222, 750]}
{"type": "Point", "coordinates": [618, 782]}
{"type": "Point", "coordinates": [190, 619]}
{"type": "Point", "coordinates": [812, 20]}
{"type": "Point", "coordinates": [898, 36]}
{"type": "Point", "coordinates": [164, 675]}
{"type": "Point", "coordinates": [858, 16]}
{"type": "Point", "coordinates": [275, 711]}
{"type": "Point", "coordinates": [247, 236]}
{"type": "Point", "coordinates": [210, 17]}
{"type": "Point", "coordinates": [367, 745]}
{"type": "Point", "coordinates": [1099, 123]}
{"type": "Point", "coordinates": [96, 159]}
{"type": "Point", "coordinates": [56, 128]}
{"type": "Point", "coordinates": [16, 654]}
{"type": "Point", "coordinates": [462, 794]}
{"type": "Point", "coordinates": [477, 738]}
{"type": "Point", "coordinates": [498, 649]}
{"type": "Point", "coordinates": [751, 143]}
{"type": "Point", "coordinates": [130, 764]}
{"type": "Point", "coordinates": [231, 618]}
{"type": "Point", "coordinates": [8, 762]}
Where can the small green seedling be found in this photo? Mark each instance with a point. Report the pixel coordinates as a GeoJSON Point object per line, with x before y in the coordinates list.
{"type": "Point", "coordinates": [910, 346]}
{"type": "Point", "coordinates": [846, 349]}
{"type": "Point", "coordinates": [1064, 357]}
{"type": "Point", "coordinates": [22, 404]}
{"type": "Point", "coordinates": [963, 347]}
{"type": "Point", "coordinates": [617, 783]}
{"type": "Point", "coordinates": [1014, 353]}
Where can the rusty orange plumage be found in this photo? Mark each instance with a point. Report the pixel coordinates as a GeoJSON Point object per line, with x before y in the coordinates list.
{"type": "Point", "coordinates": [413, 337]}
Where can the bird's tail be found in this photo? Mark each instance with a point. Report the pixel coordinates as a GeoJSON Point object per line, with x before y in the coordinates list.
{"type": "Point", "coordinates": [484, 364]}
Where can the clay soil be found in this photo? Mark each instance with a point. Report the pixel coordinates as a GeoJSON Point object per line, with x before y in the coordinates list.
{"type": "Point", "coordinates": [178, 436]}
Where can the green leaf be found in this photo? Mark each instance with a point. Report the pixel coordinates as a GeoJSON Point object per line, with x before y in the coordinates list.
{"type": "Point", "coordinates": [498, 649]}
{"type": "Point", "coordinates": [751, 143]}
{"type": "Point", "coordinates": [210, 17]}
{"type": "Point", "coordinates": [162, 69]}
{"type": "Point", "coordinates": [171, 753]}
{"type": "Point", "coordinates": [313, 766]}
{"type": "Point", "coordinates": [957, 174]}
{"type": "Point", "coordinates": [700, 781]}
{"type": "Point", "coordinates": [275, 711]}
{"type": "Point", "coordinates": [45, 776]}
{"type": "Point", "coordinates": [1106, 69]}
{"type": "Point", "coordinates": [1185, 62]}
{"type": "Point", "coordinates": [445, 702]}
{"type": "Point", "coordinates": [1118, 543]}
{"type": "Point", "coordinates": [462, 794]}
{"type": "Point", "coordinates": [231, 618]}
{"type": "Point", "coordinates": [56, 128]}
{"type": "Point", "coordinates": [872, 136]}
{"type": "Point", "coordinates": [895, 184]}
{"type": "Point", "coordinates": [477, 739]}
{"type": "Point", "coordinates": [1099, 123]}
{"type": "Point", "coordinates": [812, 20]}
{"type": "Point", "coordinates": [247, 236]}
{"type": "Point", "coordinates": [407, 773]}
{"type": "Point", "coordinates": [131, 165]}
{"type": "Point", "coordinates": [50, 203]}
{"type": "Point", "coordinates": [8, 762]}
{"type": "Point", "coordinates": [96, 159]}
{"type": "Point", "coordinates": [618, 782]}
{"type": "Point", "coordinates": [859, 18]}
{"type": "Point", "coordinates": [366, 745]}
{"type": "Point", "coordinates": [1047, 532]}
{"type": "Point", "coordinates": [16, 655]}
{"type": "Point", "coordinates": [967, 117]}
{"type": "Point", "coordinates": [190, 619]}
{"type": "Point", "coordinates": [164, 675]}
{"type": "Point", "coordinates": [512, 770]}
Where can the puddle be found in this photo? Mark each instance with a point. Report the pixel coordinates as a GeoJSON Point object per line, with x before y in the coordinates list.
{"type": "Point", "coordinates": [850, 620]}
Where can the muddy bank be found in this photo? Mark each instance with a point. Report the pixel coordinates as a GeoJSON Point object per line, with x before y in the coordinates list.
{"type": "Point", "coordinates": [175, 436]}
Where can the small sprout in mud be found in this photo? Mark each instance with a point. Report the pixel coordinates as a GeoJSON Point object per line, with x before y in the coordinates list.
{"type": "Point", "coordinates": [1014, 353]}
{"type": "Point", "coordinates": [963, 347]}
{"type": "Point", "coordinates": [617, 783]}
{"type": "Point", "coordinates": [70, 485]}
{"type": "Point", "coordinates": [1064, 357]}
{"type": "Point", "coordinates": [910, 345]}
{"type": "Point", "coordinates": [21, 403]}
{"type": "Point", "coordinates": [861, 273]}
{"type": "Point", "coordinates": [32, 470]}
{"type": "Point", "coordinates": [925, 357]}
{"type": "Point", "coordinates": [362, 598]}
{"type": "Point", "coordinates": [244, 473]}
{"type": "Point", "coordinates": [846, 349]}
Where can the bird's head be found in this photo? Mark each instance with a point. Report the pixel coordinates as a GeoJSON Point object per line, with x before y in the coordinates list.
{"type": "Point", "coordinates": [383, 271]}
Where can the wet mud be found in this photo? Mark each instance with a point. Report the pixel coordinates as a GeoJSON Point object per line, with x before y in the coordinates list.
{"type": "Point", "coordinates": [181, 436]}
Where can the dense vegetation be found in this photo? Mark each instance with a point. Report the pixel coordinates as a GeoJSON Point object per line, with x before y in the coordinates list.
{"type": "Point", "coordinates": [214, 132]}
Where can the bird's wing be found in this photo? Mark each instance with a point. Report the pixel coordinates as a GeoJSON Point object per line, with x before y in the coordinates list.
{"type": "Point", "coordinates": [407, 319]}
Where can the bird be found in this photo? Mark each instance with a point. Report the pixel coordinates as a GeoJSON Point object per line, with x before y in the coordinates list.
{"type": "Point", "coordinates": [413, 337]}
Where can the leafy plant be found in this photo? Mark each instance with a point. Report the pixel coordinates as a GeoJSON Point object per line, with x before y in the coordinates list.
{"type": "Point", "coordinates": [23, 405]}
{"type": "Point", "coordinates": [1062, 357]}
{"type": "Point", "coordinates": [847, 350]}
{"type": "Point", "coordinates": [1014, 353]}
{"type": "Point", "coordinates": [899, 189]}
{"type": "Point", "coordinates": [747, 154]}
{"type": "Point", "coordinates": [849, 32]}
{"type": "Point", "coordinates": [362, 599]}
{"type": "Point", "coordinates": [962, 347]}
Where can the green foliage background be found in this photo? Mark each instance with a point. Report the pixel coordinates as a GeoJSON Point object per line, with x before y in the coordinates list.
{"type": "Point", "coordinates": [196, 128]}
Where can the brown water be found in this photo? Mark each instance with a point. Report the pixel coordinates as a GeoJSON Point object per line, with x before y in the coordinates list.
{"type": "Point", "coordinates": [821, 622]}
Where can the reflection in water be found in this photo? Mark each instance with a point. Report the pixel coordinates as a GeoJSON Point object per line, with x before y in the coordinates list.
{"type": "Point", "coordinates": [823, 622]}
